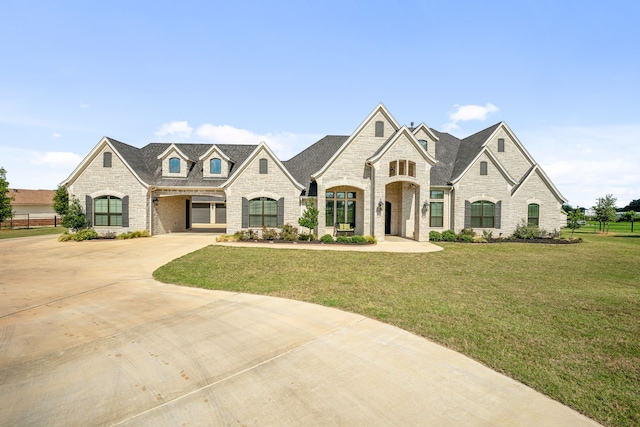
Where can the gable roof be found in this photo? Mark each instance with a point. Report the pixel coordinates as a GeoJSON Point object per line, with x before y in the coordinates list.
{"type": "Point", "coordinates": [412, 138]}
{"type": "Point", "coordinates": [446, 154]}
{"type": "Point", "coordinates": [470, 149]}
{"type": "Point", "coordinates": [305, 163]}
{"type": "Point", "coordinates": [379, 109]}
{"type": "Point", "coordinates": [31, 197]}
{"type": "Point", "coordinates": [537, 169]}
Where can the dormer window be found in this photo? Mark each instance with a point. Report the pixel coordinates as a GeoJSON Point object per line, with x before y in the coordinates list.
{"type": "Point", "coordinates": [423, 142]}
{"type": "Point", "coordinates": [216, 166]}
{"type": "Point", "coordinates": [174, 165]}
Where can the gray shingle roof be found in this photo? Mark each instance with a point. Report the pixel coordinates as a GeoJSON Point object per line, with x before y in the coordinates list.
{"type": "Point", "coordinates": [312, 159]}
{"type": "Point", "coordinates": [452, 154]}
{"type": "Point", "coordinates": [144, 161]}
{"type": "Point", "coordinates": [469, 149]}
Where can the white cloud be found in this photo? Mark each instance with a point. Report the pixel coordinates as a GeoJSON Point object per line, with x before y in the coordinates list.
{"type": "Point", "coordinates": [465, 113]}
{"type": "Point", "coordinates": [283, 144]}
{"type": "Point", "coordinates": [589, 162]}
{"type": "Point", "coordinates": [56, 135]}
{"type": "Point", "coordinates": [180, 129]}
{"type": "Point", "coordinates": [55, 159]}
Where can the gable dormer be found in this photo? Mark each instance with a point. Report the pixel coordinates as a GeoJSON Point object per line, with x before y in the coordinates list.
{"type": "Point", "coordinates": [426, 138]}
{"type": "Point", "coordinates": [175, 164]}
{"type": "Point", "coordinates": [215, 164]}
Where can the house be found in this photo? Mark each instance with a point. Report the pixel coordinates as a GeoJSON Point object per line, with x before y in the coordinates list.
{"type": "Point", "coordinates": [383, 179]}
{"type": "Point", "coordinates": [31, 207]}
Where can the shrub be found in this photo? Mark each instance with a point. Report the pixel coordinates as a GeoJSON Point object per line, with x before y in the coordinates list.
{"type": "Point", "coordinates": [269, 233]}
{"type": "Point", "coordinates": [65, 237]}
{"type": "Point", "coordinates": [467, 232]}
{"type": "Point", "coordinates": [85, 234]}
{"type": "Point", "coordinates": [487, 234]}
{"type": "Point", "coordinates": [241, 236]}
{"type": "Point", "coordinates": [288, 232]}
{"type": "Point", "coordinates": [343, 239]}
{"type": "Point", "coordinates": [449, 236]}
{"type": "Point", "coordinates": [303, 237]}
{"type": "Point", "coordinates": [108, 235]}
{"type": "Point", "coordinates": [133, 234]}
{"type": "Point", "coordinates": [435, 236]}
{"type": "Point", "coordinates": [466, 238]}
{"type": "Point", "coordinates": [327, 238]}
{"type": "Point", "coordinates": [253, 235]}
{"type": "Point", "coordinates": [371, 239]}
{"type": "Point", "coordinates": [227, 238]}
{"type": "Point", "coordinates": [358, 239]}
{"type": "Point", "coordinates": [527, 231]}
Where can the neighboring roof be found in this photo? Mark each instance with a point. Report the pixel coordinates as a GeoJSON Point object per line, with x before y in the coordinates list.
{"type": "Point", "coordinates": [31, 197]}
{"type": "Point", "coordinates": [446, 153]}
{"type": "Point", "coordinates": [314, 158]}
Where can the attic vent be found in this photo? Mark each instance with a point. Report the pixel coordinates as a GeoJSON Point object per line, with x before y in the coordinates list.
{"type": "Point", "coordinates": [106, 160]}
{"type": "Point", "coordinates": [379, 129]}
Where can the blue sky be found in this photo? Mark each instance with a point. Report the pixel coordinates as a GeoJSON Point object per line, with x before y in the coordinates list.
{"type": "Point", "coordinates": [565, 76]}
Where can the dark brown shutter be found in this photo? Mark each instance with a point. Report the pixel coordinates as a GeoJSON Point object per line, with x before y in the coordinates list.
{"type": "Point", "coordinates": [125, 211]}
{"type": "Point", "coordinates": [497, 215]}
{"type": "Point", "coordinates": [280, 211]}
{"type": "Point", "coordinates": [467, 214]}
{"type": "Point", "coordinates": [245, 213]}
{"type": "Point", "coordinates": [89, 210]}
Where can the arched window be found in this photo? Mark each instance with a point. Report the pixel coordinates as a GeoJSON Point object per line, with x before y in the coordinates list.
{"type": "Point", "coordinates": [482, 214]}
{"type": "Point", "coordinates": [216, 166]}
{"type": "Point", "coordinates": [263, 212]}
{"type": "Point", "coordinates": [174, 165]}
{"type": "Point", "coordinates": [107, 211]}
{"type": "Point", "coordinates": [533, 214]}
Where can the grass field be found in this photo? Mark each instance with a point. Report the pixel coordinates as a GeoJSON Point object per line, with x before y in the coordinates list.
{"type": "Point", "coordinates": [563, 319]}
{"type": "Point", "coordinates": [7, 233]}
{"type": "Point", "coordinates": [614, 227]}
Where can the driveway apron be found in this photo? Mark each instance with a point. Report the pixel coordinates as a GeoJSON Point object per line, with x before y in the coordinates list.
{"type": "Point", "coordinates": [87, 337]}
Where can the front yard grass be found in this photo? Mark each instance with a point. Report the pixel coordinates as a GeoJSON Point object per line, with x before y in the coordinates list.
{"type": "Point", "coordinates": [8, 233]}
{"type": "Point", "coordinates": [563, 319]}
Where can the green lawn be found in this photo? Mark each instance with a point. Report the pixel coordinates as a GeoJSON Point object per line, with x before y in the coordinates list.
{"type": "Point", "coordinates": [563, 319]}
{"type": "Point", "coordinates": [7, 233]}
{"type": "Point", "coordinates": [617, 227]}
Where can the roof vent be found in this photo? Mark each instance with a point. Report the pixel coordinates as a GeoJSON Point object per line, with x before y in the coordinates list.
{"type": "Point", "coordinates": [411, 124]}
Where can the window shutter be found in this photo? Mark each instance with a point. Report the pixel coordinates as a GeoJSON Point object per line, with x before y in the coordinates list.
{"type": "Point", "coordinates": [106, 160]}
{"type": "Point", "coordinates": [245, 213]}
{"type": "Point", "coordinates": [125, 211]}
{"type": "Point", "coordinates": [89, 209]}
{"type": "Point", "coordinates": [379, 129]}
{"type": "Point", "coordinates": [280, 211]}
{"type": "Point", "coordinates": [497, 215]}
{"type": "Point", "coordinates": [467, 214]}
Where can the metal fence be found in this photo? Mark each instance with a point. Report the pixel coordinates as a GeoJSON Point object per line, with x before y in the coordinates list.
{"type": "Point", "coordinates": [31, 221]}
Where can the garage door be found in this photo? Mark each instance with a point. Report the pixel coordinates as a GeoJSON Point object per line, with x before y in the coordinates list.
{"type": "Point", "coordinates": [201, 213]}
{"type": "Point", "coordinates": [221, 214]}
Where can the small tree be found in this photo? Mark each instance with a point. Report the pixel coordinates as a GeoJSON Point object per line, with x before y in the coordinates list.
{"type": "Point", "coordinates": [574, 220]}
{"type": "Point", "coordinates": [309, 218]}
{"type": "Point", "coordinates": [75, 218]}
{"type": "Point", "coordinates": [61, 201]}
{"type": "Point", "coordinates": [605, 211]}
{"type": "Point", "coordinates": [5, 200]}
{"type": "Point", "coordinates": [631, 216]}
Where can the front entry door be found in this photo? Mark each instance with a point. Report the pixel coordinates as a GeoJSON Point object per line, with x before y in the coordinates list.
{"type": "Point", "coordinates": [387, 217]}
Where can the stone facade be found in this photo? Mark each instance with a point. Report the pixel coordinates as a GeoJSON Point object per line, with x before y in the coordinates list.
{"type": "Point", "coordinates": [118, 181]}
{"type": "Point", "coordinates": [382, 165]}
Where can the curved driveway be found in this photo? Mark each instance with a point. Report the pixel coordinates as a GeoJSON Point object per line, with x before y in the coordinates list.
{"type": "Point", "coordinates": [88, 338]}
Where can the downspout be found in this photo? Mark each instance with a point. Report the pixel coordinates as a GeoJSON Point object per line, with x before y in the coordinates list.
{"type": "Point", "coordinates": [151, 189]}
{"type": "Point", "coordinates": [372, 200]}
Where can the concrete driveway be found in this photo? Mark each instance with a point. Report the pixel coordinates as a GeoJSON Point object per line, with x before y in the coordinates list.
{"type": "Point", "coordinates": [88, 338]}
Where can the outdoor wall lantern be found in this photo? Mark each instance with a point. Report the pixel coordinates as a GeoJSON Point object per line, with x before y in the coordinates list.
{"type": "Point", "coordinates": [425, 206]}
{"type": "Point", "coordinates": [155, 201]}
{"type": "Point", "coordinates": [380, 204]}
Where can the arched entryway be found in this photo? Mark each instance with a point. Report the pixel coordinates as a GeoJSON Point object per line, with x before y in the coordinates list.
{"type": "Point", "coordinates": [401, 209]}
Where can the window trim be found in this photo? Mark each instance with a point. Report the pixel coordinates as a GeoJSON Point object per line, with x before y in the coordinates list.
{"type": "Point", "coordinates": [272, 216]}
{"type": "Point", "coordinates": [211, 166]}
{"type": "Point", "coordinates": [110, 216]}
{"type": "Point", "coordinates": [484, 220]}
{"type": "Point", "coordinates": [173, 165]}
